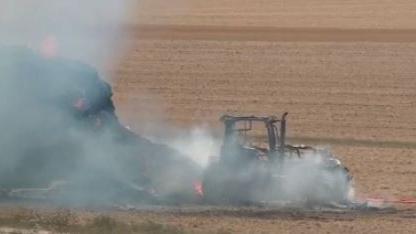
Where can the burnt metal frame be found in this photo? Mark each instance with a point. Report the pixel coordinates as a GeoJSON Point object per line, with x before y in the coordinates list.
{"type": "Point", "coordinates": [276, 137]}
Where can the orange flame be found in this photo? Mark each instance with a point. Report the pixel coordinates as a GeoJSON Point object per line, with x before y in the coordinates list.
{"type": "Point", "coordinates": [49, 47]}
{"type": "Point", "coordinates": [199, 188]}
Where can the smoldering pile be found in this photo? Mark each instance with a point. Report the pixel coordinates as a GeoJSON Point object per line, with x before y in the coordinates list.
{"type": "Point", "coordinates": [59, 131]}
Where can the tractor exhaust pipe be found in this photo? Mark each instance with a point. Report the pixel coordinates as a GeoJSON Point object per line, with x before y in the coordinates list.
{"type": "Point", "coordinates": [283, 131]}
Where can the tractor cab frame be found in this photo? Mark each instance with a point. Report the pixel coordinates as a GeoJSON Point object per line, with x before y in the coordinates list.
{"type": "Point", "coordinates": [276, 129]}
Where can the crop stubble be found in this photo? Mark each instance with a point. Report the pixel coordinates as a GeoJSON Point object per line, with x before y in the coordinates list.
{"type": "Point", "coordinates": [344, 84]}
{"type": "Point", "coordinates": [354, 90]}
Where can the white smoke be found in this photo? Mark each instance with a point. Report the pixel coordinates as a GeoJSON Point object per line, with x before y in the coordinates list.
{"type": "Point", "coordinates": [41, 138]}
{"type": "Point", "coordinates": [316, 177]}
{"type": "Point", "coordinates": [199, 145]}
{"type": "Point", "coordinates": [90, 31]}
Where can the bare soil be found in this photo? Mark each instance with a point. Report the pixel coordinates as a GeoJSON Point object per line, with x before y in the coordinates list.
{"type": "Point", "coordinates": [345, 71]}
{"type": "Point", "coordinates": [366, 14]}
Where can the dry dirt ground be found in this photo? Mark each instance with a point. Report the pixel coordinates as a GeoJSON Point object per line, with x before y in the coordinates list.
{"type": "Point", "coordinates": [352, 90]}
{"type": "Point", "coordinates": [344, 70]}
{"type": "Point", "coordinates": [41, 219]}
{"type": "Point", "coordinates": [380, 14]}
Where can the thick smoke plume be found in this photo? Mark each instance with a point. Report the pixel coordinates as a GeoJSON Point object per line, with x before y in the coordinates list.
{"type": "Point", "coordinates": [58, 124]}
{"type": "Point", "coordinates": [90, 31]}
{"type": "Point", "coordinates": [59, 128]}
{"type": "Point", "coordinates": [314, 179]}
{"type": "Point", "coordinates": [199, 144]}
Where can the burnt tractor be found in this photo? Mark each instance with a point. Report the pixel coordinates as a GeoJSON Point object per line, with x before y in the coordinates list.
{"type": "Point", "coordinates": [253, 168]}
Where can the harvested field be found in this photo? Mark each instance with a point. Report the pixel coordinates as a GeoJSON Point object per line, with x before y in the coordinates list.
{"type": "Point", "coordinates": [345, 71]}
{"type": "Point", "coordinates": [203, 220]}
{"type": "Point", "coordinates": [345, 74]}
{"type": "Point", "coordinates": [350, 90]}
{"type": "Point", "coordinates": [296, 13]}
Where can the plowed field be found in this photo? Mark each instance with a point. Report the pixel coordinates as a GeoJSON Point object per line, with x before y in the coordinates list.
{"type": "Point", "coordinates": [344, 71]}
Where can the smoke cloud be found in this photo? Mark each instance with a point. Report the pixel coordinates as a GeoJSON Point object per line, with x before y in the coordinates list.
{"type": "Point", "coordinates": [315, 178]}
{"type": "Point", "coordinates": [58, 124]}
{"type": "Point", "coordinates": [89, 31]}
{"type": "Point", "coordinates": [199, 144]}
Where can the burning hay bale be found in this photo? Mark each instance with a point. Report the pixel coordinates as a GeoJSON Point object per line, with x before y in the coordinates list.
{"type": "Point", "coordinates": [58, 122]}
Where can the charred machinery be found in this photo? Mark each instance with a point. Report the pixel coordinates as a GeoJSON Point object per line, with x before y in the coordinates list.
{"type": "Point", "coordinates": [60, 138]}
{"type": "Point", "coordinates": [256, 164]}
